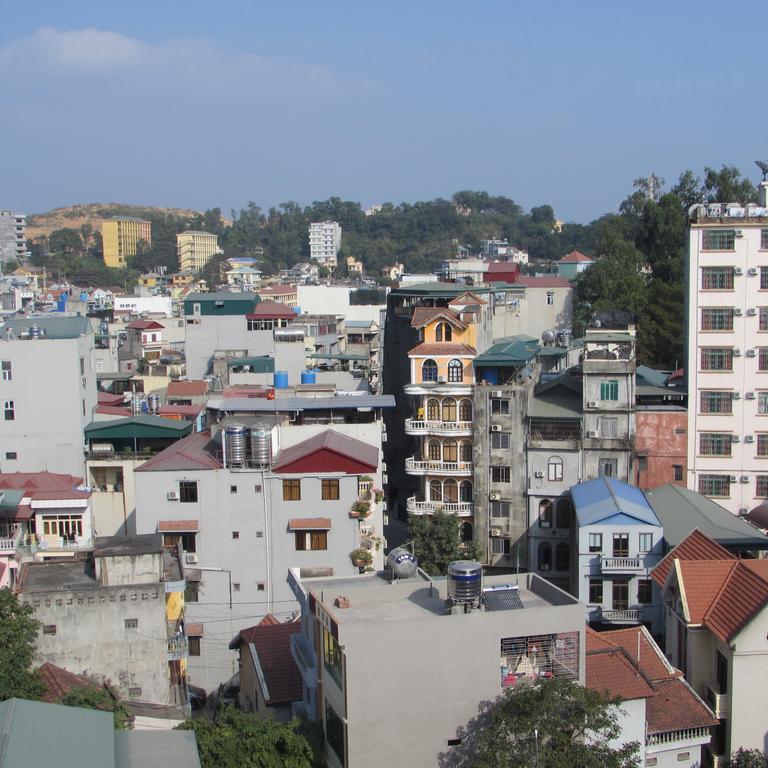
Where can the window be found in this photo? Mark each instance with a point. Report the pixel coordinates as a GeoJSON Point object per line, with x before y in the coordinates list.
{"type": "Point", "coordinates": [683, 757]}
{"type": "Point", "coordinates": [545, 513]}
{"type": "Point", "coordinates": [465, 410]}
{"type": "Point", "coordinates": [449, 409]}
{"type": "Point", "coordinates": [717, 279]}
{"type": "Point", "coordinates": [188, 491]}
{"type": "Point", "coordinates": [235, 534]}
{"type": "Point", "coordinates": [10, 410]}
{"type": "Point", "coordinates": [443, 332]}
{"type": "Point", "coordinates": [131, 623]}
{"type": "Point", "coordinates": [764, 239]}
{"type": "Point", "coordinates": [500, 441]}
{"type": "Point", "coordinates": [333, 657]}
{"type": "Point", "coordinates": [465, 451]}
{"type": "Point", "coordinates": [429, 370]}
{"type": "Point", "coordinates": [609, 426]}
{"type": "Point", "coordinates": [718, 240]}
{"type": "Point", "coordinates": [194, 646]}
{"type": "Point", "coordinates": [550, 299]}
{"type": "Point", "coordinates": [761, 486]}
{"type": "Point", "coordinates": [715, 444]}
{"type": "Point", "coordinates": [307, 541]}
{"type": "Point", "coordinates": [609, 390]}
{"type": "Point", "coordinates": [500, 546]}
{"type": "Point", "coordinates": [621, 545]}
{"type": "Point", "coordinates": [607, 467]}
{"type": "Point", "coordinates": [500, 509]}
{"type": "Point", "coordinates": [716, 402]}
{"type": "Point", "coordinates": [433, 410]}
{"type": "Point", "coordinates": [500, 474]}
{"type": "Point", "coordinates": [499, 406]}
{"type": "Point", "coordinates": [562, 557]}
{"type": "Point", "coordinates": [763, 319]}
{"type": "Point", "coordinates": [5, 366]}
{"type": "Point", "coordinates": [291, 490]}
{"type": "Point", "coordinates": [595, 542]}
{"type": "Point", "coordinates": [650, 762]}
{"type": "Point", "coordinates": [555, 469]}
{"type": "Point", "coordinates": [454, 742]}
{"type": "Point", "coordinates": [260, 586]}
{"type": "Point", "coordinates": [545, 556]}
{"type": "Point", "coordinates": [235, 586]}
{"type": "Point", "coordinates": [716, 358]}
{"type": "Point", "coordinates": [233, 489]}
{"type": "Point", "coordinates": [621, 594]}
{"type": "Point", "coordinates": [715, 485]}
{"type": "Point", "coordinates": [677, 471]}
{"type": "Point", "coordinates": [563, 517]}
{"type": "Point", "coordinates": [435, 490]}
{"type": "Point", "coordinates": [763, 278]}
{"type": "Point", "coordinates": [134, 693]}
{"type": "Point", "coordinates": [717, 319]}
{"type": "Point", "coordinates": [465, 491]}
{"type": "Point", "coordinates": [433, 450]}
{"type": "Point", "coordinates": [191, 592]}
{"type": "Point", "coordinates": [644, 591]}
{"type": "Point", "coordinates": [450, 450]}
{"type": "Point", "coordinates": [49, 629]}
{"type": "Point", "coordinates": [330, 489]}
{"type": "Point", "coordinates": [455, 370]}
{"type": "Point", "coordinates": [596, 591]}
{"type": "Point", "coordinates": [82, 366]}
{"type": "Point", "coordinates": [11, 455]}
{"type": "Point", "coordinates": [334, 732]}
{"type": "Point", "coordinates": [762, 444]}
{"type": "Point", "coordinates": [68, 527]}
{"type": "Point", "coordinates": [762, 359]}
{"type": "Point", "coordinates": [646, 542]}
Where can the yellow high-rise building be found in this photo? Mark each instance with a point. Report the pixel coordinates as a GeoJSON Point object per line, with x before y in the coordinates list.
{"type": "Point", "coordinates": [195, 249]}
{"type": "Point", "coordinates": [120, 236]}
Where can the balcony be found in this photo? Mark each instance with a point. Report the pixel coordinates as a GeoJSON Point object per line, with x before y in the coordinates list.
{"type": "Point", "coordinates": [620, 615]}
{"type": "Point", "coordinates": [621, 564]}
{"type": "Point", "coordinates": [449, 468]}
{"type": "Point", "coordinates": [178, 648]}
{"type": "Point", "coordinates": [9, 545]}
{"type": "Point", "coordinates": [439, 388]}
{"type": "Point", "coordinates": [686, 737]}
{"type": "Point", "coordinates": [455, 428]}
{"type": "Point", "coordinates": [718, 702]}
{"type": "Point", "coordinates": [460, 508]}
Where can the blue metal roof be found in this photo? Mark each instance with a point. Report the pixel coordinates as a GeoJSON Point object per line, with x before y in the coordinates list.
{"type": "Point", "coordinates": [608, 500]}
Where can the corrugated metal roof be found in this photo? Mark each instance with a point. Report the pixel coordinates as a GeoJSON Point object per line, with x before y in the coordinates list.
{"type": "Point", "coordinates": [143, 749]}
{"type": "Point", "coordinates": [604, 498]}
{"type": "Point", "coordinates": [256, 404]}
{"type": "Point", "coordinates": [55, 327]}
{"type": "Point", "coordinates": [514, 350]}
{"type": "Point", "coordinates": [137, 426]}
{"type": "Point", "coordinates": [259, 364]}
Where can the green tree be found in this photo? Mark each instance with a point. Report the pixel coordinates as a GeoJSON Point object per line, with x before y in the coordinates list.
{"type": "Point", "coordinates": [10, 266]}
{"type": "Point", "coordinates": [66, 241]}
{"type": "Point", "coordinates": [727, 186]}
{"type": "Point", "coordinates": [747, 758]}
{"type": "Point", "coordinates": [239, 740]}
{"type": "Point", "coordinates": [437, 541]}
{"type": "Point", "coordinates": [18, 630]}
{"type": "Point", "coordinates": [554, 723]}
{"type": "Point", "coordinates": [92, 697]}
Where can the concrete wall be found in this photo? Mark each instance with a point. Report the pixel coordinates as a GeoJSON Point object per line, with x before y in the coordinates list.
{"type": "Point", "coordinates": [113, 511]}
{"type": "Point", "coordinates": [661, 437]}
{"type": "Point", "coordinates": [129, 570]}
{"type": "Point", "coordinates": [334, 299]}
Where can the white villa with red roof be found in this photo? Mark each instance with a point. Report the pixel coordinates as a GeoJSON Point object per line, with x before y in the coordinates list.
{"type": "Point", "coordinates": [573, 264]}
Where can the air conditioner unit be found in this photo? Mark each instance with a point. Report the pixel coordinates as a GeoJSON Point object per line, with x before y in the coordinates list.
{"type": "Point", "coordinates": [743, 511]}
{"type": "Point", "coordinates": [593, 433]}
{"type": "Point", "coordinates": [751, 353]}
{"type": "Point", "coordinates": [383, 466]}
{"type": "Point", "coordinates": [735, 439]}
{"type": "Point", "coordinates": [173, 495]}
{"type": "Point", "coordinates": [384, 438]}
{"type": "Point", "coordinates": [745, 479]}
{"type": "Point", "coordinates": [495, 428]}
{"type": "Point", "coordinates": [737, 395]}
{"type": "Point", "coordinates": [497, 393]}
{"type": "Point", "coordinates": [750, 395]}
{"type": "Point", "coordinates": [497, 532]}
{"type": "Point", "coordinates": [737, 312]}
{"type": "Point", "coordinates": [494, 496]}
{"type": "Point", "coordinates": [441, 379]}
{"type": "Point", "coordinates": [738, 233]}
{"type": "Point", "coordinates": [736, 352]}
{"type": "Point", "coordinates": [751, 312]}
{"type": "Point", "coordinates": [592, 404]}
{"type": "Point", "coordinates": [385, 479]}
{"type": "Point", "coordinates": [191, 558]}
{"type": "Point", "coordinates": [749, 439]}
{"type": "Point", "coordinates": [738, 271]}
{"type": "Point", "coordinates": [732, 478]}
{"type": "Point", "coordinates": [752, 271]}
{"type": "Point", "coordinates": [538, 473]}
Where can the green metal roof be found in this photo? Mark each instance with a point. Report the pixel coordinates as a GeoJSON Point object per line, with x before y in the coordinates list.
{"type": "Point", "coordinates": [337, 356]}
{"type": "Point", "coordinates": [137, 426]}
{"type": "Point", "coordinates": [221, 303]}
{"type": "Point", "coordinates": [512, 351]}
{"type": "Point", "coordinates": [36, 733]}
{"type": "Point", "coordinates": [9, 499]}
{"type": "Point", "coordinates": [439, 290]}
{"type": "Point", "coordinates": [652, 376]}
{"type": "Point", "coordinates": [553, 352]}
{"type": "Point", "coordinates": [260, 364]}
{"type": "Point", "coordinates": [68, 327]}
{"type": "Point", "coordinates": [608, 336]}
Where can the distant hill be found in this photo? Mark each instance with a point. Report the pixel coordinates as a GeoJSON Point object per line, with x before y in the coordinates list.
{"type": "Point", "coordinates": [74, 216]}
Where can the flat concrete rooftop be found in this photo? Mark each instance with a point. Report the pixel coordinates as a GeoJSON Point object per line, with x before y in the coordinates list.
{"type": "Point", "coordinates": [57, 575]}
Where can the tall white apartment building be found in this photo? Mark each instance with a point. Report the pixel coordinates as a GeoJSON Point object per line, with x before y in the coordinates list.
{"type": "Point", "coordinates": [13, 236]}
{"type": "Point", "coordinates": [727, 355]}
{"type": "Point", "coordinates": [325, 242]}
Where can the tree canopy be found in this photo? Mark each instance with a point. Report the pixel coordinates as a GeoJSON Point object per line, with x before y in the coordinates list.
{"type": "Point", "coordinates": [437, 542]}
{"type": "Point", "coordinates": [92, 697]}
{"type": "Point", "coordinates": [747, 758]}
{"type": "Point", "coordinates": [18, 630]}
{"type": "Point", "coordinates": [239, 740]}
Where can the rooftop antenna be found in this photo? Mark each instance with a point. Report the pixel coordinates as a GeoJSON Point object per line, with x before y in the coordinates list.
{"type": "Point", "coordinates": [763, 167]}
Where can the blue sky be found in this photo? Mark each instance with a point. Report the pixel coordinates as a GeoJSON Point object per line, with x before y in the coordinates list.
{"type": "Point", "coordinates": [198, 105]}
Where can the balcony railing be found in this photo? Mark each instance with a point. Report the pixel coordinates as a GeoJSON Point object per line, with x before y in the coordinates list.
{"type": "Point", "coordinates": [460, 508]}
{"type": "Point", "coordinates": [688, 735]}
{"type": "Point", "coordinates": [178, 648]}
{"type": "Point", "coordinates": [452, 468]}
{"type": "Point", "coordinates": [620, 615]}
{"type": "Point", "coordinates": [621, 564]}
{"type": "Point", "coordinates": [717, 701]}
{"type": "Point", "coordinates": [11, 544]}
{"type": "Point", "coordinates": [420, 427]}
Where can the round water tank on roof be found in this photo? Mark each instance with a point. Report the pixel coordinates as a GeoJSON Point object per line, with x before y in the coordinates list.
{"type": "Point", "coordinates": [36, 332]}
{"type": "Point", "coordinates": [465, 581]}
{"type": "Point", "coordinates": [261, 445]}
{"type": "Point", "coordinates": [548, 337]}
{"type": "Point", "coordinates": [281, 379]}
{"type": "Point", "coordinates": [153, 403]}
{"type": "Point", "coordinates": [309, 377]}
{"type": "Point", "coordinates": [137, 403]}
{"type": "Point", "coordinates": [83, 296]}
{"type": "Point", "coordinates": [402, 562]}
{"type": "Point", "coordinates": [234, 444]}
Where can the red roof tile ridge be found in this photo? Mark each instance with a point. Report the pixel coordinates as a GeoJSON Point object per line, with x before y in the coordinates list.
{"type": "Point", "coordinates": [758, 594]}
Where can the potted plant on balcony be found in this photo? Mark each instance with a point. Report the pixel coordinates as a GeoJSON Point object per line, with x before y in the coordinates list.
{"type": "Point", "coordinates": [378, 495]}
{"type": "Point", "coordinates": [361, 508]}
{"type": "Point", "coordinates": [361, 557]}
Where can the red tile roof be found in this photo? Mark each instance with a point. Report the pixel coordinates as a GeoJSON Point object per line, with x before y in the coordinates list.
{"type": "Point", "coordinates": [144, 325]}
{"type": "Point", "coordinates": [277, 290]}
{"type": "Point", "coordinates": [611, 671]}
{"type": "Point", "coordinates": [309, 523]}
{"type": "Point", "coordinates": [195, 451]}
{"type": "Point", "coordinates": [190, 411]}
{"type": "Point", "coordinates": [271, 310]}
{"type": "Point", "coordinates": [574, 257]}
{"type": "Point", "coordinates": [466, 299]}
{"type": "Point", "coordinates": [333, 442]}
{"type": "Point", "coordinates": [108, 398]}
{"type": "Point", "coordinates": [742, 596]}
{"type": "Point", "coordinates": [273, 649]}
{"type": "Point", "coordinates": [424, 315]}
{"type": "Point", "coordinates": [268, 621]}
{"type": "Point", "coordinates": [44, 486]}
{"type": "Point", "coordinates": [695, 546]}
{"type": "Point", "coordinates": [652, 660]}
{"type": "Point", "coordinates": [58, 682]}
{"type": "Point", "coordinates": [702, 580]}
{"type": "Point", "coordinates": [444, 348]}
{"type": "Point", "coordinates": [496, 267]}
{"type": "Point", "coordinates": [187, 388]}
{"type": "Point", "coordinates": [182, 526]}
{"type": "Point", "coordinates": [194, 630]}
{"type": "Point", "coordinates": [544, 281]}
{"type": "Point", "coordinates": [112, 410]}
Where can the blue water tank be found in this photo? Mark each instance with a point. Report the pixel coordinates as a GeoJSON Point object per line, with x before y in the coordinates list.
{"type": "Point", "coordinates": [61, 304]}
{"type": "Point", "coordinates": [308, 377]}
{"type": "Point", "coordinates": [83, 296]}
{"type": "Point", "coordinates": [490, 375]}
{"type": "Point", "coordinates": [281, 379]}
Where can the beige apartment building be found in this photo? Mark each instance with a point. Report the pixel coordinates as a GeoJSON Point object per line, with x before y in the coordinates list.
{"type": "Point", "coordinates": [120, 236]}
{"type": "Point", "coordinates": [195, 249]}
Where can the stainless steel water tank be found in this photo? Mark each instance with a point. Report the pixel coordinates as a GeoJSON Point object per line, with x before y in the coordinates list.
{"type": "Point", "coordinates": [153, 403]}
{"type": "Point", "coordinates": [235, 439]}
{"type": "Point", "coordinates": [261, 445]}
{"type": "Point", "coordinates": [402, 562]}
{"type": "Point", "coordinates": [465, 582]}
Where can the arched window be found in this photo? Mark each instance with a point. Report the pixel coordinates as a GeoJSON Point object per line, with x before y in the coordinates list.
{"type": "Point", "coordinates": [563, 517]}
{"type": "Point", "coordinates": [545, 513]}
{"type": "Point", "coordinates": [429, 370]}
{"type": "Point", "coordinates": [450, 450]}
{"type": "Point", "coordinates": [465, 410]}
{"type": "Point", "coordinates": [466, 531]}
{"type": "Point", "coordinates": [449, 409]}
{"type": "Point", "coordinates": [562, 557]}
{"type": "Point", "coordinates": [455, 370]}
{"type": "Point", "coordinates": [433, 410]}
{"type": "Point", "coordinates": [434, 450]}
{"type": "Point", "coordinates": [555, 468]}
{"type": "Point", "coordinates": [443, 332]}
{"type": "Point", "coordinates": [465, 451]}
{"type": "Point", "coordinates": [450, 491]}
{"type": "Point", "coordinates": [465, 490]}
{"type": "Point", "coordinates": [545, 556]}
{"type": "Point", "coordinates": [435, 490]}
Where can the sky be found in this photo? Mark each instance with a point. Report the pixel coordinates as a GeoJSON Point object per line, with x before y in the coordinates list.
{"type": "Point", "coordinates": [200, 105]}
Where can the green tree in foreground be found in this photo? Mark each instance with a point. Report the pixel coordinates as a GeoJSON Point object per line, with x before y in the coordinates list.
{"type": "Point", "coordinates": [98, 698]}
{"type": "Point", "coordinates": [747, 758]}
{"type": "Point", "coordinates": [561, 722]}
{"type": "Point", "coordinates": [239, 740]}
{"type": "Point", "coordinates": [437, 542]}
{"type": "Point", "coordinates": [18, 630]}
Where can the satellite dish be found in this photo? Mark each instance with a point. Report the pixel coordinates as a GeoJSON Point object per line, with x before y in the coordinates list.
{"type": "Point", "coordinates": [763, 167]}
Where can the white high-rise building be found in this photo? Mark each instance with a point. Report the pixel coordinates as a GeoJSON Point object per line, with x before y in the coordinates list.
{"type": "Point", "coordinates": [13, 237]}
{"type": "Point", "coordinates": [324, 242]}
{"type": "Point", "coordinates": [727, 355]}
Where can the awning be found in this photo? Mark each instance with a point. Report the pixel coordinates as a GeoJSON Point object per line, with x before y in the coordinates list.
{"type": "Point", "coordinates": [193, 630]}
{"type": "Point", "coordinates": [178, 526]}
{"type": "Point", "coordinates": [309, 524]}
{"type": "Point", "coordinates": [759, 515]}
